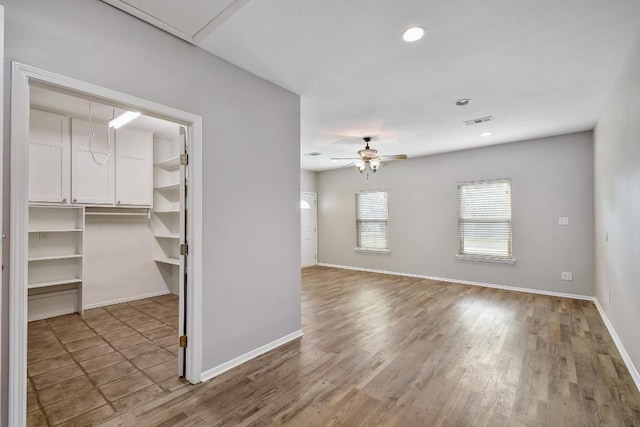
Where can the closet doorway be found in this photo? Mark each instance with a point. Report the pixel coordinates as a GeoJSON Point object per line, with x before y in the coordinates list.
{"type": "Point", "coordinates": [101, 275]}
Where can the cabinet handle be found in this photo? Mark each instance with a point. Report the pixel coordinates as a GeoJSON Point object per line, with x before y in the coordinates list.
{"type": "Point", "coordinates": [75, 200]}
{"type": "Point", "coordinates": [64, 200]}
{"type": "Point", "coordinates": [118, 202]}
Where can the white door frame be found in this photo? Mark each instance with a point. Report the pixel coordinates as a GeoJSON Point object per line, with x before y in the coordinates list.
{"type": "Point", "coordinates": [22, 76]}
{"type": "Point", "coordinates": [315, 207]}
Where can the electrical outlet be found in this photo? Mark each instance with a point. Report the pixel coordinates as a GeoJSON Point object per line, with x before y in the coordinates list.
{"type": "Point", "coordinates": [563, 220]}
{"type": "Point", "coordinates": [566, 275]}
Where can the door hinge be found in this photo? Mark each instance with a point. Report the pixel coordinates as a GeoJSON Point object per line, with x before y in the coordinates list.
{"type": "Point", "coordinates": [184, 159]}
{"type": "Point", "coordinates": [184, 249]}
{"type": "Point", "coordinates": [183, 341]}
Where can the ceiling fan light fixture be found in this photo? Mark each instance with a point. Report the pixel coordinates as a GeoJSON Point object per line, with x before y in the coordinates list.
{"type": "Point", "coordinates": [374, 164]}
{"type": "Point", "coordinates": [360, 165]}
{"type": "Point", "coordinates": [413, 34]}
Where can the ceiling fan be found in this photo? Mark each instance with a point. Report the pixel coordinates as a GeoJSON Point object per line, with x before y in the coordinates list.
{"type": "Point", "coordinates": [369, 158]}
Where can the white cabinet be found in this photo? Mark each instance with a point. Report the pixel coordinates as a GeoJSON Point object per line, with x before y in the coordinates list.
{"type": "Point", "coordinates": [134, 171]}
{"type": "Point", "coordinates": [56, 236]}
{"type": "Point", "coordinates": [92, 182]}
{"type": "Point", "coordinates": [49, 157]}
{"type": "Point", "coordinates": [125, 178]}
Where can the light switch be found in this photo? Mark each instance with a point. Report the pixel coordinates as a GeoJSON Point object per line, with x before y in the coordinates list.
{"type": "Point", "coordinates": [566, 275]}
{"type": "Point", "coordinates": [563, 220]}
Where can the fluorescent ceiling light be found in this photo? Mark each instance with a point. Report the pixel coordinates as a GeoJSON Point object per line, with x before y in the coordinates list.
{"type": "Point", "coordinates": [413, 34]}
{"type": "Point", "coordinates": [123, 119]}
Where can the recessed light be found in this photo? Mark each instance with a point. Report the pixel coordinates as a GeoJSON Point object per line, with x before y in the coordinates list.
{"type": "Point", "coordinates": [462, 102]}
{"type": "Point", "coordinates": [413, 34]}
{"type": "Point", "coordinates": [486, 134]}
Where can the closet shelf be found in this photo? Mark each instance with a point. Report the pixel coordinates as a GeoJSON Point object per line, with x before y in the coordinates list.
{"type": "Point", "coordinates": [167, 236]}
{"type": "Point", "coordinates": [167, 211]}
{"type": "Point", "coordinates": [53, 283]}
{"type": "Point", "coordinates": [116, 213]}
{"type": "Point", "coordinates": [172, 261]}
{"type": "Point", "coordinates": [54, 257]}
{"type": "Point", "coordinates": [175, 186]}
{"type": "Point", "coordinates": [169, 164]}
{"type": "Point", "coordinates": [54, 230]}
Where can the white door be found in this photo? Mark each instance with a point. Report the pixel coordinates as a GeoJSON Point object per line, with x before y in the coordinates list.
{"type": "Point", "coordinates": [49, 157]}
{"type": "Point", "coordinates": [92, 165]}
{"type": "Point", "coordinates": [309, 223]}
{"type": "Point", "coordinates": [134, 167]}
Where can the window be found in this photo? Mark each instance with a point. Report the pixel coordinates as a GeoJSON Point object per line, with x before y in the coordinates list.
{"type": "Point", "coordinates": [372, 214]}
{"type": "Point", "coordinates": [484, 219]}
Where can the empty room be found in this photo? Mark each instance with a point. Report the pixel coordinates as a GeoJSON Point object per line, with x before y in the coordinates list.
{"type": "Point", "coordinates": [359, 213]}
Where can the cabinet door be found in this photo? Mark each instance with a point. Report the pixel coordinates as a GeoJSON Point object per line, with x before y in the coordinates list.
{"type": "Point", "coordinates": [134, 167]}
{"type": "Point", "coordinates": [91, 181]}
{"type": "Point", "coordinates": [49, 157]}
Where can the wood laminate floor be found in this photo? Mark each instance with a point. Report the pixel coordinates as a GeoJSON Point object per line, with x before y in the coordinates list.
{"type": "Point", "coordinates": [397, 351]}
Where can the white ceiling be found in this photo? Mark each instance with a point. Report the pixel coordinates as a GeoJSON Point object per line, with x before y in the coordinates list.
{"type": "Point", "coordinates": [539, 68]}
{"type": "Point", "coordinates": [76, 106]}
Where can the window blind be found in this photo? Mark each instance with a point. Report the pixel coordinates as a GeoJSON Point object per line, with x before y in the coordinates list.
{"type": "Point", "coordinates": [372, 214]}
{"type": "Point", "coordinates": [484, 218]}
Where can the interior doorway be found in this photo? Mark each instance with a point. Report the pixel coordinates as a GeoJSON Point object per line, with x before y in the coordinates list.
{"type": "Point", "coordinates": [84, 199]}
{"type": "Point", "coordinates": [309, 229]}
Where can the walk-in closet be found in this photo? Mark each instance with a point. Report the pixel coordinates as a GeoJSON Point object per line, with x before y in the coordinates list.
{"type": "Point", "coordinates": [107, 192]}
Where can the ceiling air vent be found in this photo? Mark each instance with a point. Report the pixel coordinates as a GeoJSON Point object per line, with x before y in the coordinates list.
{"type": "Point", "coordinates": [478, 121]}
{"type": "Point", "coordinates": [313, 154]}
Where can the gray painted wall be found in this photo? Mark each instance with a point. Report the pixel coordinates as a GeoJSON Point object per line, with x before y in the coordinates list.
{"type": "Point", "coordinates": [617, 205]}
{"type": "Point", "coordinates": [251, 254]}
{"type": "Point", "coordinates": [551, 177]}
{"type": "Point", "coordinates": [308, 181]}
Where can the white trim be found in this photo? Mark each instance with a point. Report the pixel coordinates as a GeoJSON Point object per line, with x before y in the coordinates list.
{"type": "Point", "coordinates": [372, 251]}
{"type": "Point", "coordinates": [482, 258]}
{"type": "Point", "coordinates": [22, 76]}
{"type": "Point", "coordinates": [464, 282]}
{"type": "Point", "coordinates": [128, 299]}
{"type": "Point", "coordinates": [616, 339]}
{"type": "Point", "coordinates": [214, 372]}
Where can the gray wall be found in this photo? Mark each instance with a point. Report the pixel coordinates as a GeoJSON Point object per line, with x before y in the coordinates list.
{"type": "Point", "coordinates": [251, 254]}
{"type": "Point", "coordinates": [617, 205]}
{"type": "Point", "coordinates": [308, 181]}
{"type": "Point", "coordinates": [551, 177]}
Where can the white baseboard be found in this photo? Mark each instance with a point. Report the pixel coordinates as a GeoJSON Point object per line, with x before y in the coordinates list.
{"type": "Point", "coordinates": [616, 339]}
{"type": "Point", "coordinates": [214, 372]}
{"type": "Point", "coordinates": [127, 299]}
{"type": "Point", "coordinates": [465, 282]}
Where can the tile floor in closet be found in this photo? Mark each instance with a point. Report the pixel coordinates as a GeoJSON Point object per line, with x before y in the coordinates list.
{"type": "Point", "coordinates": [85, 369]}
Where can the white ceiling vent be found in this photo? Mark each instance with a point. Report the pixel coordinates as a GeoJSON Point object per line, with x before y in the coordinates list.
{"type": "Point", "coordinates": [478, 121]}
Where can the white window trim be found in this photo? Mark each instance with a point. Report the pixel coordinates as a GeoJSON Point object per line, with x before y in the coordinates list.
{"type": "Point", "coordinates": [374, 250]}
{"type": "Point", "coordinates": [487, 258]}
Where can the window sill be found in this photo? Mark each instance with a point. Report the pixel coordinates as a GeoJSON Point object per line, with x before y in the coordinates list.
{"type": "Point", "coordinates": [485, 259]}
{"type": "Point", "coordinates": [373, 251]}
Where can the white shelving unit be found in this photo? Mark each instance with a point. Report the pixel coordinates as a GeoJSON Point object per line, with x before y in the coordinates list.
{"type": "Point", "coordinates": [166, 204]}
{"type": "Point", "coordinates": [56, 239]}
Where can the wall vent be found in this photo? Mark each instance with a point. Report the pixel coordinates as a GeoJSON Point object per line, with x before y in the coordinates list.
{"type": "Point", "coordinates": [478, 121]}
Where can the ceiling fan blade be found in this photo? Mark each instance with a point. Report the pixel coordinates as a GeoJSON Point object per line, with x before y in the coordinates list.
{"type": "Point", "coordinates": [345, 158]}
{"type": "Point", "coordinates": [394, 156]}
{"type": "Point", "coordinates": [352, 164]}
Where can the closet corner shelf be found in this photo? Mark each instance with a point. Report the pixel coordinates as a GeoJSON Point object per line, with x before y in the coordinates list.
{"type": "Point", "coordinates": [53, 283]}
{"type": "Point", "coordinates": [169, 187]}
{"type": "Point", "coordinates": [167, 236]}
{"type": "Point", "coordinates": [169, 164]}
{"type": "Point", "coordinates": [54, 257]}
{"type": "Point", "coordinates": [172, 261]}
